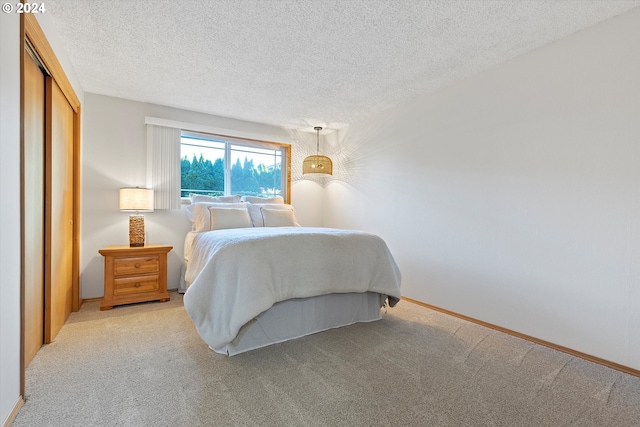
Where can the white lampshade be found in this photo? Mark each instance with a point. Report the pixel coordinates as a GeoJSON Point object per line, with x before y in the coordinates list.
{"type": "Point", "coordinates": [136, 199]}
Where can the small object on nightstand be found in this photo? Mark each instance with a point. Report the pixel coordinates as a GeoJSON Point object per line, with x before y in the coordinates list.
{"type": "Point", "coordinates": [134, 274]}
{"type": "Point", "coordinates": [136, 200]}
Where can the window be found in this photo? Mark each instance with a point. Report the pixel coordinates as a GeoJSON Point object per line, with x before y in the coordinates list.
{"type": "Point", "coordinates": [219, 165]}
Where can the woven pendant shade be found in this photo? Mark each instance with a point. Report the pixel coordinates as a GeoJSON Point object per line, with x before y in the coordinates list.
{"type": "Point", "coordinates": [317, 164]}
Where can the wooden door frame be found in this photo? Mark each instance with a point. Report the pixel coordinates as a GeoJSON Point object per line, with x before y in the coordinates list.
{"type": "Point", "coordinates": [31, 31]}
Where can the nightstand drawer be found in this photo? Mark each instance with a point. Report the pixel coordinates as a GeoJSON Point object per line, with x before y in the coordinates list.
{"type": "Point", "coordinates": [148, 264]}
{"type": "Point", "coordinates": [130, 285]}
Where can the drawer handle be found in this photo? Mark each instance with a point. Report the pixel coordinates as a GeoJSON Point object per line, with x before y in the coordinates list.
{"type": "Point", "coordinates": [137, 285]}
{"type": "Point", "coordinates": [137, 265]}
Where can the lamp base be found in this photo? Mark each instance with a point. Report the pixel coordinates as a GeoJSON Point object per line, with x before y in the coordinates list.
{"type": "Point", "coordinates": [136, 230]}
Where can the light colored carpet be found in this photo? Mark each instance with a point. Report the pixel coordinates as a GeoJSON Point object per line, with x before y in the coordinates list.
{"type": "Point", "coordinates": [145, 365]}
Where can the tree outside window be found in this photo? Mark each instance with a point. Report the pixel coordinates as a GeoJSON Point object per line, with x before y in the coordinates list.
{"type": "Point", "coordinates": [254, 170]}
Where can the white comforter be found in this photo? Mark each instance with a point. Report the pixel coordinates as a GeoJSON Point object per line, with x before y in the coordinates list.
{"type": "Point", "coordinates": [237, 274]}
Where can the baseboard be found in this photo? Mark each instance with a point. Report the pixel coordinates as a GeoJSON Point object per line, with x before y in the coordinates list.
{"type": "Point", "coordinates": [14, 412]}
{"type": "Point", "coordinates": [99, 299]}
{"type": "Point", "coordinates": [604, 362]}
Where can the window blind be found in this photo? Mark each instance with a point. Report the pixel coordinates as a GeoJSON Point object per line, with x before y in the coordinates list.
{"type": "Point", "coordinates": [163, 165]}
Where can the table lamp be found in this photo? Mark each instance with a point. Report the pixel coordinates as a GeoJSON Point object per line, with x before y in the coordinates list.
{"type": "Point", "coordinates": [138, 200]}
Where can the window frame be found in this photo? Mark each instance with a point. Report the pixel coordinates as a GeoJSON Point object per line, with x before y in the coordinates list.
{"type": "Point", "coordinates": [285, 150]}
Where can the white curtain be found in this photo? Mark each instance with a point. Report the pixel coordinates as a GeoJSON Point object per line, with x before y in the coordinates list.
{"type": "Point", "coordinates": [163, 165]}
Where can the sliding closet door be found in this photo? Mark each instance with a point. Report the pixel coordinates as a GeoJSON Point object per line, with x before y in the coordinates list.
{"type": "Point", "coordinates": [33, 207]}
{"type": "Point", "coordinates": [59, 217]}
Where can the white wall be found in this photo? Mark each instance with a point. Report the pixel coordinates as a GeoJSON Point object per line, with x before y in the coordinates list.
{"type": "Point", "coordinates": [513, 197]}
{"type": "Point", "coordinates": [114, 155]}
{"type": "Point", "coordinates": [9, 214]}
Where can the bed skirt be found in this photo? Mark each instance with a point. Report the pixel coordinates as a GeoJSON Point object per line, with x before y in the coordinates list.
{"type": "Point", "coordinates": [296, 318]}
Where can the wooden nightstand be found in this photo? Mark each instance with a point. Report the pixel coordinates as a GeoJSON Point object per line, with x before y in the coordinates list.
{"type": "Point", "coordinates": [134, 274]}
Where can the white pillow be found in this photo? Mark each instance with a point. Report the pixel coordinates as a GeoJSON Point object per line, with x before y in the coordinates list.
{"type": "Point", "coordinates": [256, 214]}
{"type": "Point", "coordinates": [201, 219]}
{"type": "Point", "coordinates": [278, 199]}
{"type": "Point", "coordinates": [222, 218]}
{"type": "Point", "coordinates": [279, 218]}
{"type": "Point", "coordinates": [199, 198]}
{"type": "Point", "coordinates": [190, 209]}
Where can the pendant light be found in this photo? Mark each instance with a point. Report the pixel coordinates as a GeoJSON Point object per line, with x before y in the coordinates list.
{"type": "Point", "coordinates": [317, 164]}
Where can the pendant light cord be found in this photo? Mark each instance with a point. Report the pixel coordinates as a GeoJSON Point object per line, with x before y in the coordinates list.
{"type": "Point", "coordinates": [318, 129]}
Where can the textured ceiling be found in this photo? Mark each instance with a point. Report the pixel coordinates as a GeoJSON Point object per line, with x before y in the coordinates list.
{"type": "Point", "coordinates": [300, 63]}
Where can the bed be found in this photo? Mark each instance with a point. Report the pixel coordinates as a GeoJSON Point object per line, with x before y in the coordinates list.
{"type": "Point", "coordinates": [251, 284]}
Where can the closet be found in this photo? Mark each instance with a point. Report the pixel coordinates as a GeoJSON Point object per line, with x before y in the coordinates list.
{"type": "Point", "coordinates": [50, 193]}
